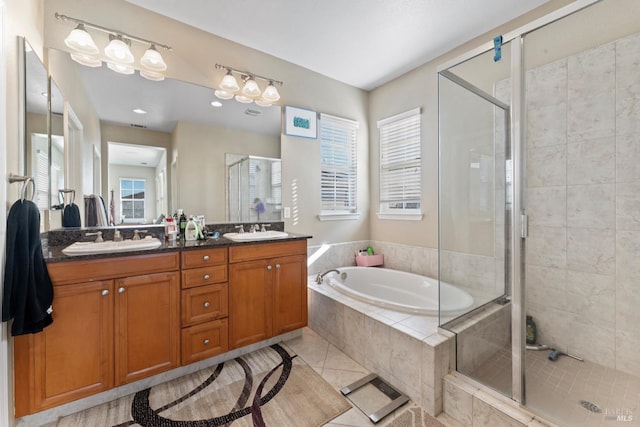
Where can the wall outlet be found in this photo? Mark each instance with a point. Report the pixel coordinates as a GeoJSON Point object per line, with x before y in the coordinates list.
{"type": "Point", "coordinates": [287, 212]}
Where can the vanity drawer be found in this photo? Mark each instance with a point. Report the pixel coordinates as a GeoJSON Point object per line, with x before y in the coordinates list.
{"type": "Point", "coordinates": [205, 340]}
{"type": "Point", "coordinates": [204, 276]}
{"type": "Point", "coordinates": [204, 303]}
{"type": "Point", "coordinates": [204, 257]}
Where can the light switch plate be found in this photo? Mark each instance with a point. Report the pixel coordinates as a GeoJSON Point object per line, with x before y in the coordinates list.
{"type": "Point", "coordinates": [287, 212]}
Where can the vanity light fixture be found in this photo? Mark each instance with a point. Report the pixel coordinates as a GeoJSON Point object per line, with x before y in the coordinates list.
{"type": "Point", "coordinates": [250, 90]}
{"type": "Point", "coordinates": [117, 54]}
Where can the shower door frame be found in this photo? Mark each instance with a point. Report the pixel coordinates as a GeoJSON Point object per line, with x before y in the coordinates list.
{"type": "Point", "coordinates": [518, 217]}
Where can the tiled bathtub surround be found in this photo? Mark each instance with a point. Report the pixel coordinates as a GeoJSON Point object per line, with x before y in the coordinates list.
{"type": "Point", "coordinates": [404, 349]}
{"type": "Point", "coordinates": [583, 193]}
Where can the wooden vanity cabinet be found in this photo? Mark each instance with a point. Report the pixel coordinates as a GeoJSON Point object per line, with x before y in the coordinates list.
{"type": "Point", "coordinates": [115, 320]}
{"type": "Point", "coordinates": [267, 290]}
{"type": "Point", "coordinates": [205, 304]}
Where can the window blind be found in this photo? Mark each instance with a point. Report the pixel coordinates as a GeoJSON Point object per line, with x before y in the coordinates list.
{"type": "Point", "coordinates": [400, 162]}
{"type": "Point", "coordinates": [338, 164]}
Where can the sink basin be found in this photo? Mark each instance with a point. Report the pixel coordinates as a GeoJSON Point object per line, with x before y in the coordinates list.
{"type": "Point", "coordinates": [258, 235]}
{"type": "Point", "coordinates": [90, 248]}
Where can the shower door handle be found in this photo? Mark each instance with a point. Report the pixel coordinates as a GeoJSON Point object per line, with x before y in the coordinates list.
{"type": "Point", "coordinates": [524, 225]}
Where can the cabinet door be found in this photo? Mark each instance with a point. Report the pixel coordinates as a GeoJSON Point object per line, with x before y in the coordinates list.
{"type": "Point", "coordinates": [289, 293]}
{"type": "Point", "coordinates": [147, 325]}
{"type": "Point", "coordinates": [249, 302]}
{"type": "Point", "coordinates": [74, 355]}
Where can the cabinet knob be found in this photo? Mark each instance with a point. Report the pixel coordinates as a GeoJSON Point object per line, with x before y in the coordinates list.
{"type": "Point", "coordinates": [105, 292]}
{"type": "Point", "coordinates": [206, 257]}
{"type": "Point", "coordinates": [269, 267]}
{"type": "Point", "coordinates": [206, 342]}
{"type": "Point", "coordinates": [277, 265]}
{"type": "Point", "coordinates": [206, 304]}
{"type": "Point", "coordinates": [120, 290]}
{"type": "Point", "coordinates": [206, 277]}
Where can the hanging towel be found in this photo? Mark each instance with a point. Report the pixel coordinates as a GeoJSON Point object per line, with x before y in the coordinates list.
{"type": "Point", "coordinates": [112, 210]}
{"type": "Point", "coordinates": [28, 291]}
{"type": "Point", "coordinates": [102, 211]}
{"type": "Point", "coordinates": [71, 216]}
{"type": "Point", "coordinates": [90, 211]}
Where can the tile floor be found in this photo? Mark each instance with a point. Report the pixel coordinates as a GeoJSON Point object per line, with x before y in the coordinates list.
{"type": "Point", "coordinates": [555, 389]}
{"type": "Point", "coordinates": [340, 370]}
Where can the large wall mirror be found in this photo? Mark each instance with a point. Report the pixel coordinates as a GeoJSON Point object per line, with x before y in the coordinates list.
{"type": "Point", "coordinates": [36, 132]}
{"type": "Point", "coordinates": [163, 145]}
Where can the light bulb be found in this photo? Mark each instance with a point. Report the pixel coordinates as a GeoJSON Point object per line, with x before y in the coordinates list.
{"type": "Point", "coordinates": [270, 93]}
{"type": "Point", "coordinates": [223, 94]}
{"type": "Point", "coordinates": [118, 50]}
{"type": "Point", "coordinates": [251, 88]}
{"type": "Point", "coordinates": [229, 83]}
{"type": "Point", "coordinates": [120, 68]}
{"type": "Point", "coordinates": [152, 60]}
{"type": "Point", "coordinates": [79, 39]}
{"type": "Point", "coordinates": [86, 60]}
{"type": "Point", "coordinates": [152, 75]}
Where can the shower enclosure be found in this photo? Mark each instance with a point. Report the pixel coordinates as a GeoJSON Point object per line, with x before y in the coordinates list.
{"type": "Point", "coordinates": [540, 212]}
{"type": "Point", "coordinates": [254, 190]}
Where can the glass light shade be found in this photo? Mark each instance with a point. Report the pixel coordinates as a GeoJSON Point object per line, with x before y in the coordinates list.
{"type": "Point", "coordinates": [251, 88]}
{"type": "Point", "coordinates": [152, 75]}
{"type": "Point", "coordinates": [229, 83]}
{"type": "Point", "coordinates": [223, 94]}
{"type": "Point", "coordinates": [270, 93]}
{"type": "Point", "coordinates": [80, 40]}
{"type": "Point", "coordinates": [86, 60]}
{"type": "Point", "coordinates": [243, 99]}
{"type": "Point", "coordinates": [152, 60]}
{"type": "Point", "coordinates": [263, 103]}
{"type": "Point", "coordinates": [119, 51]}
{"type": "Point", "coordinates": [120, 68]}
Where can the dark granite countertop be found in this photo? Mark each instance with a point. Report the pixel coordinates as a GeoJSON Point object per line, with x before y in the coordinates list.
{"type": "Point", "coordinates": [54, 253]}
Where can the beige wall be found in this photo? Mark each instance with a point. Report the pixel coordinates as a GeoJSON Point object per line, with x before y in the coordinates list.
{"type": "Point", "coordinates": [201, 164]}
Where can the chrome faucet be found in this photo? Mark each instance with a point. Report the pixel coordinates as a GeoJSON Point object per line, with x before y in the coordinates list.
{"type": "Point", "coordinates": [320, 277]}
{"type": "Point", "coordinates": [240, 229]}
{"type": "Point", "coordinates": [136, 234]}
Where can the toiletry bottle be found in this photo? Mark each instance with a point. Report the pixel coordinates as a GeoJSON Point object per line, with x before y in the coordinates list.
{"type": "Point", "coordinates": [369, 250]}
{"type": "Point", "coordinates": [169, 228]}
{"type": "Point", "coordinates": [191, 230]}
{"type": "Point", "coordinates": [183, 222]}
{"type": "Point", "coordinates": [531, 331]}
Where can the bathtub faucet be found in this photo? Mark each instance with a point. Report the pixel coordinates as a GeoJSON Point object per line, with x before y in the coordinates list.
{"type": "Point", "coordinates": [319, 277]}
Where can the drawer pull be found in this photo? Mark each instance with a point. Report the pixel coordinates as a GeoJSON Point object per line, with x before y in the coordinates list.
{"type": "Point", "coordinates": [206, 257]}
{"type": "Point", "coordinates": [269, 267]}
{"type": "Point", "coordinates": [105, 292]}
{"type": "Point", "coordinates": [206, 304]}
{"type": "Point", "coordinates": [278, 266]}
{"type": "Point", "coordinates": [207, 277]}
{"type": "Point", "coordinates": [206, 341]}
{"type": "Point", "coordinates": [120, 290]}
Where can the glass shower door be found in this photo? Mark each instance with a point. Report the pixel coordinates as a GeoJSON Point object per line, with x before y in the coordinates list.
{"type": "Point", "coordinates": [474, 227]}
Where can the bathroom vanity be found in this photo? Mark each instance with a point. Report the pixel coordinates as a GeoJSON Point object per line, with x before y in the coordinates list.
{"type": "Point", "coordinates": [118, 319]}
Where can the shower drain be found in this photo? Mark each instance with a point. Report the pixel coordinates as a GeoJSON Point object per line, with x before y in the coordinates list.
{"type": "Point", "coordinates": [590, 406]}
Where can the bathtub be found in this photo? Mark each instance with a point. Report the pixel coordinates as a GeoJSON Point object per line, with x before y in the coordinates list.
{"type": "Point", "coordinates": [398, 290]}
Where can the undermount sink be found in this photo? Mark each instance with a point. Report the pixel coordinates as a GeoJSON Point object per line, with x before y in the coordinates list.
{"type": "Point", "coordinates": [258, 235]}
{"type": "Point", "coordinates": [91, 248]}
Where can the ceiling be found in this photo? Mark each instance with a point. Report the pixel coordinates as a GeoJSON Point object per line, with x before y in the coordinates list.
{"type": "Point", "coordinates": [364, 43]}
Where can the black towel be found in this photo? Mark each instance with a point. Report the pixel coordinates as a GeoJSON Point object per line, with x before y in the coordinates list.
{"type": "Point", "coordinates": [71, 216]}
{"type": "Point", "coordinates": [28, 291]}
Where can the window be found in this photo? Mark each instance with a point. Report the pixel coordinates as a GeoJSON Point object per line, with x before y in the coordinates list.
{"type": "Point", "coordinates": [338, 167]}
{"type": "Point", "coordinates": [132, 199]}
{"type": "Point", "coordinates": [400, 173]}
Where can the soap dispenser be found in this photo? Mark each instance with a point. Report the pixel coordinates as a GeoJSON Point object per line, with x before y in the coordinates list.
{"type": "Point", "coordinates": [191, 230]}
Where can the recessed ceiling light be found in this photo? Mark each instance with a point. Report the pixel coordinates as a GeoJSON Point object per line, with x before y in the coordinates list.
{"type": "Point", "coordinates": [216, 103]}
{"type": "Point", "coordinates": [139, 111]}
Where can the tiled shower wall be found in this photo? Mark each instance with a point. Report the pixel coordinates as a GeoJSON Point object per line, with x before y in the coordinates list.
{"type": "Point", "coordinates": [583, 201]}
